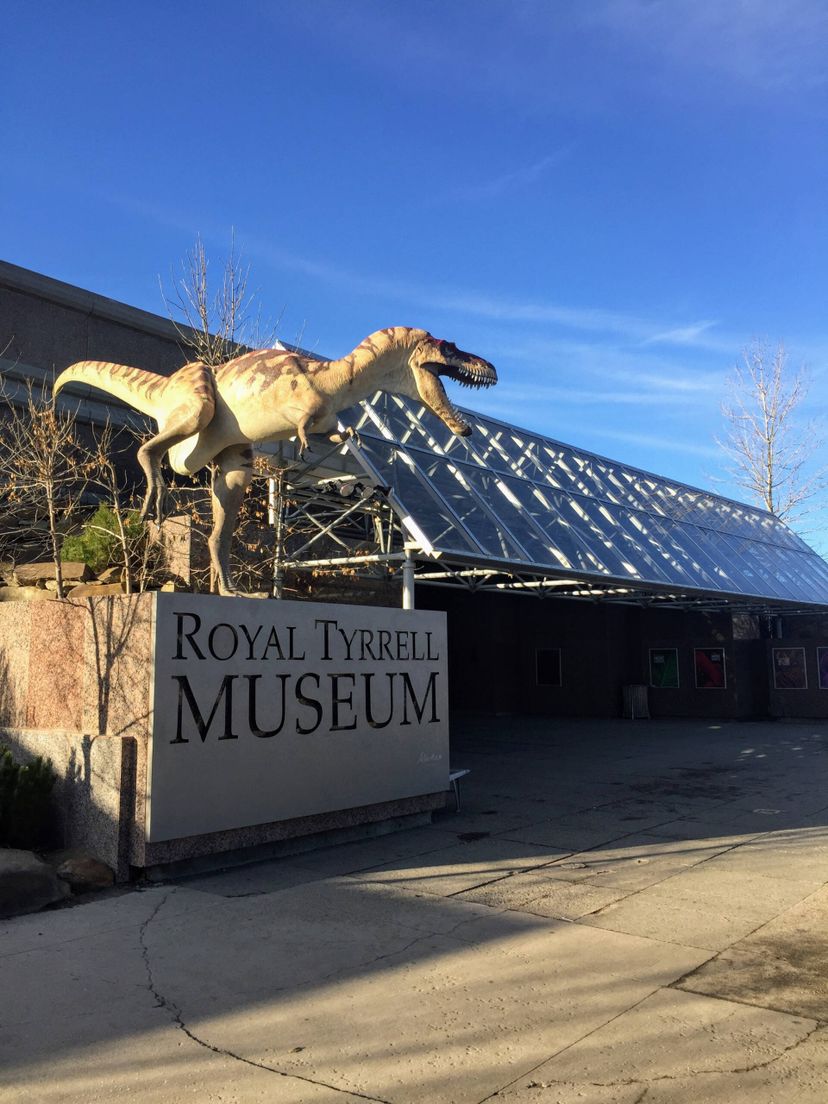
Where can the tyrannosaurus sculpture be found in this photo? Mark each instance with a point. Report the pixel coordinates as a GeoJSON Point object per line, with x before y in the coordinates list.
{"type": "Point", "coordinates": [208, 415]}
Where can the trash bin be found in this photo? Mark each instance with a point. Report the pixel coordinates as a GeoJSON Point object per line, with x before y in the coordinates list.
{"type": "Point", "coordinates": [636, 703]}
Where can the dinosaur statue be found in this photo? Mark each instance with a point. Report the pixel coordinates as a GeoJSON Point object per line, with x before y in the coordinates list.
{"type": "Point", "coordinates": [214, 415]}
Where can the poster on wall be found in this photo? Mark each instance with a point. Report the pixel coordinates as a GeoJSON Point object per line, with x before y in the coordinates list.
{"type": "Point", "coordinates": [664, 672]}
{"type": "Point", "coordinates": [822, 667]}
{"type": "Point", "coordinates": [789, 669]}
{"type": "Point", "coordinates": [709, 664]}
{"type": "Point", "coordinates": [548, 666]}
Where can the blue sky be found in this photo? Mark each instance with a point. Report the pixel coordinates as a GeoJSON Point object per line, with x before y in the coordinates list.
{"type": "Point", "coordinates": [608, 199]}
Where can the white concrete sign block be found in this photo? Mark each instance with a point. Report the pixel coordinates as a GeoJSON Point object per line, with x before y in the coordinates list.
{"type": "Point", "coordinates": [269, 710]}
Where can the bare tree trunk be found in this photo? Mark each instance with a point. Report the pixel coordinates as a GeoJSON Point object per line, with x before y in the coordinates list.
{"type": "Point", "coordinates": [106, 476]}
{"type": "Point", "coordinates": [54, 541]}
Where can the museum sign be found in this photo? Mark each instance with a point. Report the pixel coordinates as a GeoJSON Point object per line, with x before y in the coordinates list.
{"type": "Point", "coordinates": [265, 711]}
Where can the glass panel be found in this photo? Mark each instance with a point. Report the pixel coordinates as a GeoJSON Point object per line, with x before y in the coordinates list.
{"type": "Point", "coordinates": [773, 563]}
{"type": "Point", "coordinates": [452, 484]}
{"type": "Point", "coordinates": [742, 557]}
{"type": "Point", "coordinates": [811, 584]}
{"type": "Point", "coordinates": [814, 573]}
{"type": "Point", "coordinates": [719, 570]}
{"type": "Point", "coordinates": [571, 548]}
{"type": "Point", "coordinates": [638, 534]}
{"type": "Point", "coordinates": [490, 446]}
{"type": "Point", "coordinates": [698, 554]}
{"type": "Point", "coordinates": [619, 489]}
{"type": "Point", "coordinates": [438, 524]}
{"type": "Point", "coordinates": [686, 563]}
{"type": "Point", "coordinates": [501, 492]}
{"type": "Point", "coordinates": [597, 528]}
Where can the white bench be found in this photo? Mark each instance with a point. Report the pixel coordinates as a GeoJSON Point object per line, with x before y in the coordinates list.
{"type": "Point", "coordinates": [454, 781]}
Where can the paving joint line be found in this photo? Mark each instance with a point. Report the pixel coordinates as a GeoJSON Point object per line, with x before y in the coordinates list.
{"type": "Point", "coordinates": [564, 1049]}
{"type": "Point", "coordinates": [595, 884]}
{"type": "Point", "coordinates": [648, 1081]}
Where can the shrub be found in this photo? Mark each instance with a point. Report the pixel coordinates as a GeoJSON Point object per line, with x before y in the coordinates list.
{"type": "Point", "coordinates": [9, 771]}
{"type": "Point", "coordinates": [24, 800]}
{"type": "Point", "coordinates": [98, 545]}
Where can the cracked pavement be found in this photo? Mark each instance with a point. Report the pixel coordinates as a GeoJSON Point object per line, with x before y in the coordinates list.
{"type": "Point", "coordinates": [622, 912]}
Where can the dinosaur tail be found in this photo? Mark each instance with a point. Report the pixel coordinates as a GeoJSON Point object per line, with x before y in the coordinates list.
{"type": "Point", "coordinates": [139, 389]}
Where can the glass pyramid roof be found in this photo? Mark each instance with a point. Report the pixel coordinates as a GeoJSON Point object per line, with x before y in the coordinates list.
{"type": "Point", "coordinates": [506, 497]}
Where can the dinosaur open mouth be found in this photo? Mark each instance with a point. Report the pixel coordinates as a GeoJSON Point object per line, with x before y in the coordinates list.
{"type": "Point", "coordinates": [474, 373]}
{"type": "Point", "coordinates": [481, 374]}
{"type": "Point", "coordinates": [434, 395]}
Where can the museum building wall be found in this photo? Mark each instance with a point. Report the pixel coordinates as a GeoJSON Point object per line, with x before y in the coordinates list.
{"type": "Point", "coordinates": [505, 652]}
{"type": "Point", "coordinates": [46, 325]}
{"type": "Point", "coordinates": [50, 325]}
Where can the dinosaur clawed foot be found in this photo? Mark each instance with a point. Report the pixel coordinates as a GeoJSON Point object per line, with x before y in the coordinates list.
{"type": "Point", "coordinates": [154, 505]}
{"type": "Point", "coordinates": [302, 440]}
{"type": "Point", "coordinates": [346, 434]}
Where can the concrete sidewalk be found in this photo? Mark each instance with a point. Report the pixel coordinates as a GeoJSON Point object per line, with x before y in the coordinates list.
{"type": "Point", "coordinates": [622, 912]}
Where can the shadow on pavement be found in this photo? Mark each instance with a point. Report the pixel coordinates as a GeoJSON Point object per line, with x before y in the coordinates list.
{"type": "Point", "coordinates": [599, 919]}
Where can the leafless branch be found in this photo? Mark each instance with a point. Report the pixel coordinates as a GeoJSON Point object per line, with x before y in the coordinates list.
{"type": "Point", "coordinates": [216, 325]}
{"type": "Point", "coordinates": [771, 450]}
{"type": "Point", "coordinates": [43, 472]}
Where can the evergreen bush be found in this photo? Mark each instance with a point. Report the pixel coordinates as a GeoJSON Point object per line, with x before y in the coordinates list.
{"type": "Point", "coordinates": [98, 545]}
{"type": "Point", "coordinates": [24, 801]}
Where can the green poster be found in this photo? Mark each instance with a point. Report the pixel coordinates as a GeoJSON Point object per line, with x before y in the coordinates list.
{"type": "Point", "coordinates": [664, 668]}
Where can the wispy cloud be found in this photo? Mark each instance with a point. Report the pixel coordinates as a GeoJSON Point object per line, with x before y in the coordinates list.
{"type": "Point", "coordinates": [679, 383]}
{"type": "Point", "coordinates": [673, 48]}
{"type": "Point", "coordinates": [448, 300]}
{"type": "Point", "coordinates": [521, 177]}
{"type": "Point", "coordinates": [596, 321]}
{"type": "Point", "coordinates": [768, 45]}
{"type": "Point", "coordinates": [532, 392]}
{"type": "Point", "coordinates": [683, 335]}
{"type": "Point", "coordinates": [665, 444]}
{"type": "Point", "coordinates": [610, 356]}
{"type": "Point", "coordinates": [503, 309]}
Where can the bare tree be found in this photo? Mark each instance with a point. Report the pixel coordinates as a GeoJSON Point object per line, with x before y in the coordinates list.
{"type": "Point", "coordinates": [216, 322]}
{"type": "Point", "coordinates": [770, 448]}
{"type": "Point", "coordinates": [43, 472]}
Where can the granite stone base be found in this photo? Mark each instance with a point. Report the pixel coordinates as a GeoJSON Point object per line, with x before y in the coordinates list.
{"type": "Point", "coordinates": [95, 800]}
{"type": "Point", "coordinates": [305, 839]}
{"type": "Point", "coordinates": [94, 795]}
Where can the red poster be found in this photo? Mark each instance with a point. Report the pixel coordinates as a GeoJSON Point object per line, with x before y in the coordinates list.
{"type": "Point", "coordinates": [710, 668]}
